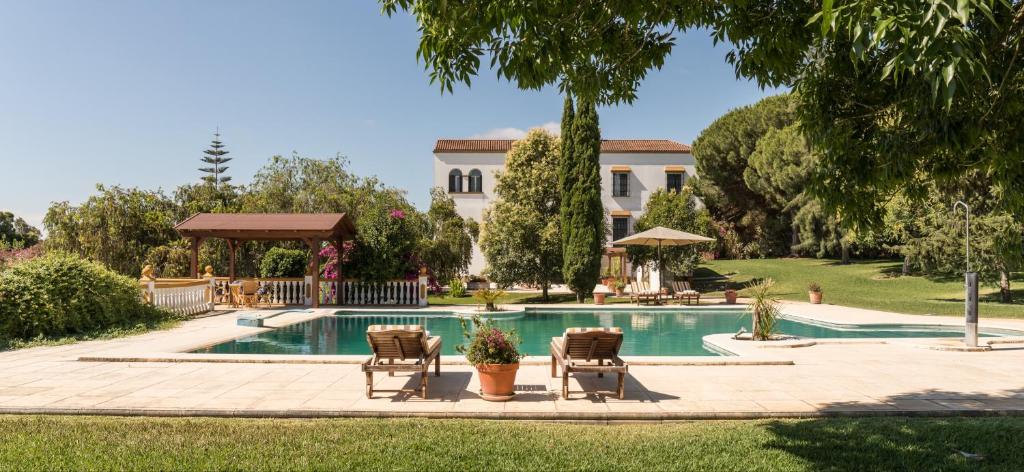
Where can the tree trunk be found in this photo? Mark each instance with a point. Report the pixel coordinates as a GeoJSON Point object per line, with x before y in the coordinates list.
{"type": "Point", "coordinates": [1005, 296]}
{"type": "Point", "coordinates": [754, 326]}
{"type": "Point", "coordinates": [845, 253]}
{"type": "Point", "coordinates": [794, 240]}
{"type": "Point", "coordinates": [906, 265]}
{"type": "Point", "coordinates": [544, 291]}
{"type": "Point", "coordinates": [579, 297]}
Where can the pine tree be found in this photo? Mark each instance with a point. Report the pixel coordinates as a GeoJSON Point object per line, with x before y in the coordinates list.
{"type": "Point", "coordinates": [215, 157]}
{"type": "Point", "coordinates": [583, 219]}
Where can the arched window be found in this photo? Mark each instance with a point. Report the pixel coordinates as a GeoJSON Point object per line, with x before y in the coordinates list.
{"type": "Point", "coordinates": [455, 181]}
{"type": "Point", "coordinates": [476, 181]}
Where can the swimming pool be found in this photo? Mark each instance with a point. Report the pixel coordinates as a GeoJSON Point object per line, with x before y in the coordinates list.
{"type": "Point", "coordinates": [646, 333]}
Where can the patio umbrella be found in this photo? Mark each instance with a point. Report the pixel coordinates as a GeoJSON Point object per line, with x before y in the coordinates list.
{"type": "Point", "coordinates": [660, 236]}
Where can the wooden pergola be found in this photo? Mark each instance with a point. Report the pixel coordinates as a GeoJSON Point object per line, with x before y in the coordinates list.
{"type": "Point", "coordinates": [310, 228]}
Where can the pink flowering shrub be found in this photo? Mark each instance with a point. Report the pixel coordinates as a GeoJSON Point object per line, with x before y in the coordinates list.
{"type": "Point", "coordinates": [487, 344]}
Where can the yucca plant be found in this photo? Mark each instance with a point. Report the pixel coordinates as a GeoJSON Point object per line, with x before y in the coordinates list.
{"type": "Point", "coordinates": [489, 297]}
{"type": "Point", "coordinates": [764, 309]}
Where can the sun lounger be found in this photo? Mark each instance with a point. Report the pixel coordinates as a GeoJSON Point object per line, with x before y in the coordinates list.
{"type": "Point", "coordinates": [683, 290]}
{"type": "Point", "coordinates": [594, 350]}
{"type": "Point", "coordinates": [411, 345]}
{"type": "Point", "coordinates": [641, 293]}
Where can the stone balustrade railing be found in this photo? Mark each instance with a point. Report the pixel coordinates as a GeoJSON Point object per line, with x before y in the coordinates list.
{"type": "Point", "coordinates": [180, 296]}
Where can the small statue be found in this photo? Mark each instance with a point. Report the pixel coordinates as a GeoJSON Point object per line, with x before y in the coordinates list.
{"type": "Point", "coordinates": [209, 272]}
{"type": "Point", "coordinates": [147, 273]}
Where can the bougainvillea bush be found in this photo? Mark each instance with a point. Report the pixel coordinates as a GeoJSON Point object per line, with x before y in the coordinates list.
{"type": "Point", "coordinates": [488, 344]}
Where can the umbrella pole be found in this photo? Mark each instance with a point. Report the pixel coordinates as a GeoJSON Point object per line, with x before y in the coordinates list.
{"type": "Point", "coordinates": [661, 277]}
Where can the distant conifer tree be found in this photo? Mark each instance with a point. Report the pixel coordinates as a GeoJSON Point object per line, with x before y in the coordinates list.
{"type": "Point", "coordinates": [215, 157]}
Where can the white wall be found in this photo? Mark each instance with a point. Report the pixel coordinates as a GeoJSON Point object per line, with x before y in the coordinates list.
{"type": "Point", "coordinates": [647, 174]}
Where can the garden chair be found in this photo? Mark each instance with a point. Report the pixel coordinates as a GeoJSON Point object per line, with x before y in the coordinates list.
{"type": "Point", "coordinates": [683, 290]}
{"type": "Point", "coordinates": [249, 293]}
{"type": "Point", "coordinates": [587, 350]}
{"type": "Point", "coordinates": [412, 345]}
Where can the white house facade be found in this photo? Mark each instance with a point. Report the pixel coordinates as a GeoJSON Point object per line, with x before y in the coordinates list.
{"type": "Point", "coordinates": [631, 169]}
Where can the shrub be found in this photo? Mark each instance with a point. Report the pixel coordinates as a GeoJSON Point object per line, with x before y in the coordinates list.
{"type": "Point", "coordinates": [764, 309]}
{"type": "Point", "coordinates": [489, 345]}
{"type": "Point", "coordinates": [489, 297]}
{"type": "Point", "coordinates": [59, 294]}
{"type": "Point", "coordinates": [170, 260]}
{"type": "Point", "coordinates": [456, 288]}
{"type": "Point", "coordinates": [281, 262]}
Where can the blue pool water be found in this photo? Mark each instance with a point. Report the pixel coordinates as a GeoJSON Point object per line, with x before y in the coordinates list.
{"type": "Point", "coordinates": [646, 333]}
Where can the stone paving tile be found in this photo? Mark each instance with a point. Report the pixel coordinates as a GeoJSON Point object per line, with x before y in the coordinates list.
{"type": "Point", "coordinates": [827, 377]}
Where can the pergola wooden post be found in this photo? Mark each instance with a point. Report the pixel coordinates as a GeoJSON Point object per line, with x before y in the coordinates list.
{"type": "Point", "coordinates": [314, 265]}
{"type": "Point", "coordinates": [232, 244]}
{"type": "Point", "coordinates": [312, 229]}
{"type": "Point", "coordinates": [194, 260]}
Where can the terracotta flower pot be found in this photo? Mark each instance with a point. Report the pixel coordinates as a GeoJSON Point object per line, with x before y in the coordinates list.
{"type": "Point", "coordinates": [497, 381]}
{"type": "Point", "coordinates": [730, 297]}
{"type": "Point", "coordinates": [599, 298]}
{"type": "Point", "coordinates": [815, 297]}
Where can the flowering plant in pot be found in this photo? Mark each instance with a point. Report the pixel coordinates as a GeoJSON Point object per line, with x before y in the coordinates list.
{"type": "Point", "coordinates": [814, 292]}
{"type": "Point", "coordinates": [495, 354]}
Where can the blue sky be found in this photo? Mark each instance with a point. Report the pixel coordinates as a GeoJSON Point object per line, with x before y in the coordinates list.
{"type": "Point", "coordinates": [130, 92]}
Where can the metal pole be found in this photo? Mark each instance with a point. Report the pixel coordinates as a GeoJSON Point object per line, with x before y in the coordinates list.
{"type": "Point", "coordinates": [661, 278]}
{"type": "Point", "coordinates": [970, 285]}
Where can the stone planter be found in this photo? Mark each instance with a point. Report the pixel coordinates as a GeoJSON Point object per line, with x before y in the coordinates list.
{"type": "Point", "coordinates": [599, 298]}
{"type": "Point", "coordinates": [497, 381]}
{"type": "Point", "coordinates": [815, 297]}
{"type": "Point", "coordinates": [730, 297]}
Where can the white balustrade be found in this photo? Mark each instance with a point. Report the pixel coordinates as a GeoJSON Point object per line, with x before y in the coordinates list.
{"type": "Point", "coordinates": [395, 292]}
{"type": "Point", "coordinates": [182, 299]}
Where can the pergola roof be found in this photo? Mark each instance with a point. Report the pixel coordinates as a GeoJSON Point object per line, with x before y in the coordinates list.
{"type": "Point", "coordinates": [268, 226]}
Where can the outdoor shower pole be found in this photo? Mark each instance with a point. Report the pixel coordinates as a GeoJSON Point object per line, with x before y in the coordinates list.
{"type": "Point", "coordinates": [970, 284]}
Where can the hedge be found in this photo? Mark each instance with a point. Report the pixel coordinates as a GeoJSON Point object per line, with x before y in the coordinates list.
{"type": "Point", "coordinates": [281, 262]}
{"type": "Point", "coordinates": [60, 294]}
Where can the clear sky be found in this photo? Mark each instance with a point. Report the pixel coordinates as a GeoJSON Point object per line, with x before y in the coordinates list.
{"type": "Point", "coordinates": [130, 92]}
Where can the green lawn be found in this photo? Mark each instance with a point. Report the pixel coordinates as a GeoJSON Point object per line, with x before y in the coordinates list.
{"type": "Point", "coordinates": [113, 443]}
{"type": "Point", "coordinates": [870, 284]}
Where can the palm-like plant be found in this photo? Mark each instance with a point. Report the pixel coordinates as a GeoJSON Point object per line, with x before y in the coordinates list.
{"type": "Point", "coordinates": [489, 296]}
{"type": "Point", "coordinates": [764, 308]}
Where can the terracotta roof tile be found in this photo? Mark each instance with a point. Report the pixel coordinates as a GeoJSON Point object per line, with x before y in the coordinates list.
{"type": "Point", "coordinates": [607, 146]}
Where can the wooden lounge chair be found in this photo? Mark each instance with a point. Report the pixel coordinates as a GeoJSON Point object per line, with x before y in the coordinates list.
{"type": "Point", "coordinates": [587, 350]}
{"type": "Point", "coordinates": [249, 293]}
{"type": "Point", "coordinates": [640, 293]}
{"type": "Point", "coordinates": [683, 290]}
{"type": "Point", "coordinates": [410, 344]}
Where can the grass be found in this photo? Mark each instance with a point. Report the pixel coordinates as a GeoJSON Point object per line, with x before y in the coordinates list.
{"type": "Point", "coordinates": [116, 443]}
{"type": "Point", "coordinates": [865, 284]}
{"type": "Point", "coordinates": [106, 333]}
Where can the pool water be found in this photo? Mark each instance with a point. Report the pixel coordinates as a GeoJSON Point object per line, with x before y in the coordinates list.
{"type": "Point", "coordinates": [645, 333]}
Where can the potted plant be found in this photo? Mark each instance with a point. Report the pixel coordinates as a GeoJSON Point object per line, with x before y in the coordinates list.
{"type": "Point", "coordinates": [599, 298]}
{"type": "Point", "coordinates": [489, 296]}
{"type": "Point", "coordinates": [730, 296]}
{"type": "Point", "coordinates": [495, 354]}
{"type": "Point", "coordinates": [814, 292]}
{"type": "Point", "coordinates": [620, 287]}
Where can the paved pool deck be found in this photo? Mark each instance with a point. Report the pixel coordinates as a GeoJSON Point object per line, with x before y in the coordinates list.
{"type": "Point", "coordinates": [150, 375]}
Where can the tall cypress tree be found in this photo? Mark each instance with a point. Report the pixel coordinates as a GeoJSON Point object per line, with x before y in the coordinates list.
{"type": "Point", "coordinates": [584, 232]}
{"type": "Point", "coordinates": [566, 168]}
{"type": "Point", "coordinates": [215, 157]}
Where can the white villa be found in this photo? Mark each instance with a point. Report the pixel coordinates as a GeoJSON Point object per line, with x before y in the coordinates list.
{"type": "Point", "coordinates": [631, 169]}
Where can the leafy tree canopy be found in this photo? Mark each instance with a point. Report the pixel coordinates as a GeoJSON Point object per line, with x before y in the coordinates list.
{"type": "Point", "coordinates": [447, 248]}
{"type": "Point", "coordinates": [521, 239]}
{"type": "Point", "coordinates": [675, 211]}
{"type": "Point", "coordinates": [15, 232]}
